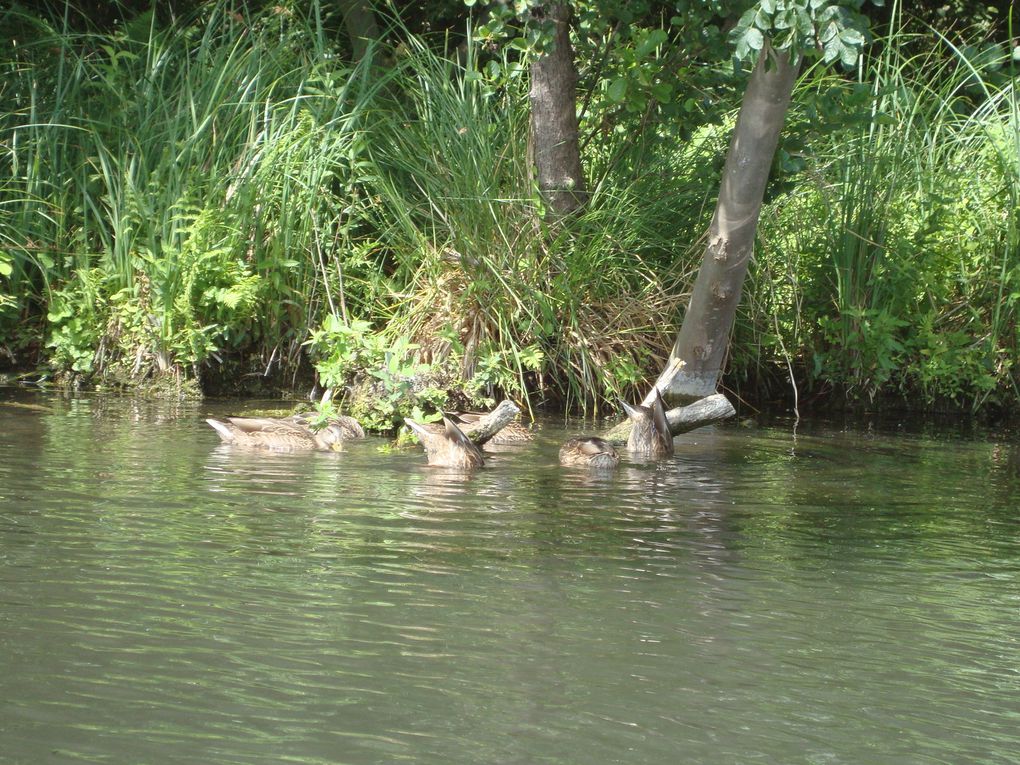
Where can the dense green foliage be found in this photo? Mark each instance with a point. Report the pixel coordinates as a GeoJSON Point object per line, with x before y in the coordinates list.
{"type": "Point", "coordinates": [227, 199]}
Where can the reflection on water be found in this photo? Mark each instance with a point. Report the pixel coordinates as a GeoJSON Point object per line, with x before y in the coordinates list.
{"type": "Point", "coordinates": [841, 596]}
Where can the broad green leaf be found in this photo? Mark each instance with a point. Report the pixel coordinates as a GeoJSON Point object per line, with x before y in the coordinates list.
{"type": "Point", "coordinates": [852, 37]}
{"type": "Point", "coordinates": [662, 92]}
{"type": "Point", "coordinates": [832, 50]}
{"type": "Point", "coordinates": [804, 24]}
{"type": "Point", "coordinates": [745, 21]}
{"type": "Point", "coordinates": [755, 39]}
{"type": "Point", "coordinates": [849, 55]}
{"type": "Point", "coordinates": [657, 37]}
{"type": "Point", "coordinates": [617, 90]}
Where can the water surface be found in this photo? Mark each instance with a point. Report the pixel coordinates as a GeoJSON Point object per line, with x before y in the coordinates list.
{"type": "Point", "coordinates": [830, 595]}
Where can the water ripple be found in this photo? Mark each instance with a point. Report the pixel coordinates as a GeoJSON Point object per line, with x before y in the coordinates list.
{"type": "Point", "coordinates": [834, 596]}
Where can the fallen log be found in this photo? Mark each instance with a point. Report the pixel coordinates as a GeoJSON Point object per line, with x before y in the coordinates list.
{"type": "Point", "coordinates": [704, 411]}
{"type": "Point", "coordinates": [488, 425]}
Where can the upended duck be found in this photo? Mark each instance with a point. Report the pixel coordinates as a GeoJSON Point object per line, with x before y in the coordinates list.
{"type": "Point", "coordinates": [287, 434]}
{"type": "Point", "coordinates": [446, 445]}
{"type": "Point", "coordinates": [649, 432]}
{"type": "Point", "coordinates": [589, 451]}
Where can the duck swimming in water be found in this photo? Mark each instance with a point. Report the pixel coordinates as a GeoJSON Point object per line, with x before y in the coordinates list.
{"type": "Point", "coordinates": [649, 432]}
{"type": "Point", "coordinates": [349, 427]}
{"type": "Point", "coordinates": [286, 435]}
{"type": "Point", "coordinates": [446, 445]}
{"type": "Point", "coordinates": [589, 451]}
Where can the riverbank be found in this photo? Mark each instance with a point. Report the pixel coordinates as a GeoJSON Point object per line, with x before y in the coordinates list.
{"type": "Point", "coordinates": [378, 226]}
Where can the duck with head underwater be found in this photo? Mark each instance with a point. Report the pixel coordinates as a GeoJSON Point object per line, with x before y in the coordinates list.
{"type": "Point", "coordinates": [649, 432]}
{"type": "Point", "coordinates": [446, 445]}
{"type": "Point", "coordinates": [349, 427]}
{"type": "Point", "coordinates": [279, 435]}
{"type": "Point", "coordinates": [590, 452]}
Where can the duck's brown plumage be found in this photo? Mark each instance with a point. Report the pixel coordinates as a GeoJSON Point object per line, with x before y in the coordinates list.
{"type": "Point", "coordinates": [649, 432]}
{"type": "Point", "coordinates": [349, 427]}
{"type": "Point", "coordinates": [446, 445]}
{"type": "Point", "coordinates": [588, 451]}
{"type": "Point", "coordinates": [277, 434]}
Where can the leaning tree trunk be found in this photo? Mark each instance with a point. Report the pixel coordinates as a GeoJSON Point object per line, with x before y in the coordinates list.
{"type": "Point", "coordinates": [704, 335]}
{"type": "Point", "coordinates": [554, 118]}
{"type": "Point", "coordinates": [362, 29]}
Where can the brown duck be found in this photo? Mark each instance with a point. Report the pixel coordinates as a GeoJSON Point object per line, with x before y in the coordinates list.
{"type": "Point", "coordinates": [649, 432]}
{"type": "Point", "coordinates": [349, 427]}
{"type": "Point", "coordinates": [589, 451]}
{"type": "Point", "coordinates": [280, 435]}
{"type": "Point", "coordinates": [446, 445]}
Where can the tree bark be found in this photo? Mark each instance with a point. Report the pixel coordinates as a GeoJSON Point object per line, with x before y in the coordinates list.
{"type": "Point", "coordinates": [361, 25]}
{"type": "Point", "coordinates": [704, 335]}
{"type": "Point", "coordinates": [487, 426]}
{"type": "Point", "coordinates": [554, 118]}
{"type": "Point", "coordinates": [707, 411]}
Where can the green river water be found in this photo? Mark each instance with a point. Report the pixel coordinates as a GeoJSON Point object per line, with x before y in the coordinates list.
{"type": "Point", "coordinates": [833, 594]}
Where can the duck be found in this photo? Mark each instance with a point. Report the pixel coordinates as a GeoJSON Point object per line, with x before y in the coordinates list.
{"type": "Point", "coordinates": [649, 433]}
{"type": "Point", "coordinates": [589, 451]}
{"type": "Point", "coordinates": [350, 427]}
{"type": "Point", "coordinates": [446, 445]}
{"type": "Point", "coordinates": [281, 435]}
{"type": "Point", "coordinates": [512, 433]}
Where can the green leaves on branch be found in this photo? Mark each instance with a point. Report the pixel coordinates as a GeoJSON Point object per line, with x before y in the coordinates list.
{"type": "Point", "coordinates": [517, 25]}
{"type": "Point", "coordinates": [832, 31]}
{"type": "Point", "coordinates": [380, 379]}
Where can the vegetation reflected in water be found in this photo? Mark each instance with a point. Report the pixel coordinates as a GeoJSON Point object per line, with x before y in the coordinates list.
{"type": "Point", "coordinates": [835, 596]}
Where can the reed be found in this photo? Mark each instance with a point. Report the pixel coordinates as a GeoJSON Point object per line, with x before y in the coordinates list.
{"type": "Point", "coordinates": [200, 170]}
{"type": "Point", "coordinates": [567, 313]}
{"type": "Point", "coordinates": [887, 269]}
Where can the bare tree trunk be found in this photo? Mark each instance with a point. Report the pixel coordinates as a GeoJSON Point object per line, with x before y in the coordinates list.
{"type": "Point", "coordinates": [704, 335]}
{"type": "Point", "coordinates": [361, 25]}
{"type": "Point", "coordinates": [554, 118]}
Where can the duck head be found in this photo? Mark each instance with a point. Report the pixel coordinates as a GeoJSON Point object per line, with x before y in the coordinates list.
{"type": "Point", "coordinates": [330, 438]}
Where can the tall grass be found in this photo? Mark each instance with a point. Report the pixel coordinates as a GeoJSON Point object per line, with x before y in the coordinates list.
{"type": "Point", "coordinates": [194, 202]}
{"type": "Point", "coordinates": [903, 240]}
{"type": "Point", "coordinates": [215, 190]}
{"type": "Point", "coordinates": [573, 314]}
{"type": "Point", "coordinates": [200, 171]}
